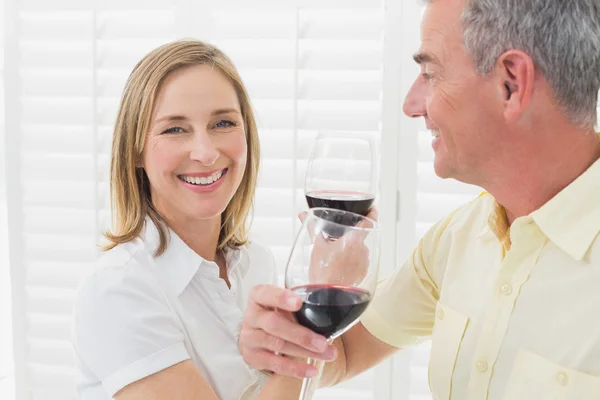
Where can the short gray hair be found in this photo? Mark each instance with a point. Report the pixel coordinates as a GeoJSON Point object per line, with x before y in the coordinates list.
{"type": "Point", "coordinates": [561, 36]}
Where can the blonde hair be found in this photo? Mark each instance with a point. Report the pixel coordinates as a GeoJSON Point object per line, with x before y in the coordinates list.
{"type": "Point", "coordinates": [129, 185]}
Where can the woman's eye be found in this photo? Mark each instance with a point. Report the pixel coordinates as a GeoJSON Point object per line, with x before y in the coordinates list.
{"type": "Point", "coordinates": [174, 129]}
{"type": "Point", "coordinates": [225, 124]}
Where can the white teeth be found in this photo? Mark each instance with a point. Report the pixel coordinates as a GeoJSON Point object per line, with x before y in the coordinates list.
{"type": "Point", "coordinates": [435, 133]}
{"type": "Point", "coordinates": [205, 180]}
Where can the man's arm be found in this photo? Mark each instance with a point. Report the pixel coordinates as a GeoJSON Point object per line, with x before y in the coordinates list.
{"type": "Point", "coordinates": [358, 350]}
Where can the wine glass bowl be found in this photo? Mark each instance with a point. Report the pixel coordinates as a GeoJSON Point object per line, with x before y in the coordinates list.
{"type": "Point", "coordinates": [335, 278]}
{"type": "Point", "coordinates": [342, 172]}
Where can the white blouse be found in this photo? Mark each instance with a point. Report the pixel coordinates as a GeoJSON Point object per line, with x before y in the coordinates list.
{"type": "Point", "coordinates": [137, 315]}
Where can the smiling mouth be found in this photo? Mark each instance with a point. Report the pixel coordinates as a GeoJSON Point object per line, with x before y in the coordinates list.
{"type": "Point", "coordinates": [204, 180]}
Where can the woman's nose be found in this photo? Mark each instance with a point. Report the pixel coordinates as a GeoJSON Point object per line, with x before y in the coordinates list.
{"type": "Point", "coordinates": [204, 149]}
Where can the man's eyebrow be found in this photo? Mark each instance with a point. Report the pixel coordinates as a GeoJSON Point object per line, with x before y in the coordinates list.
{"type": "Point", "coordinates": [423, 57]}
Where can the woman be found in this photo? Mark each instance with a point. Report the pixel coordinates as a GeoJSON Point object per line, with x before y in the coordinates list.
{"type": "Point", "coordinates": [159, 316]}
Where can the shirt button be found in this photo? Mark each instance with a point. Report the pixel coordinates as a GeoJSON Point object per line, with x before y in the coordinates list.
{"type": "Point", "coordinates": [440, 313]}
{"type": "Point", "coordinates": [562, 378]}
{"type": "Point", "coordinates": [506, 289]}
{"type": "Point", "coordinates": [481, 366]}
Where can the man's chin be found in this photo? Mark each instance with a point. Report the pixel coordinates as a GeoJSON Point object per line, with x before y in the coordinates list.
{"type": "Point", "coordinates": [441, 169]}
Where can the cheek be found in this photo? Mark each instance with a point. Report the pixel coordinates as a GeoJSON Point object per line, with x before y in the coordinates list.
{"type": "Point", "coordinates": [159, 158]}
{"type": "Point", "coordinates": [237, 149]}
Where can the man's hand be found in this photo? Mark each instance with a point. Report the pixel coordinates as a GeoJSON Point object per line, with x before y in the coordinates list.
{"type": "Point", "coordinates": [270, 335]}
{"type": "Point", "coordinates": [344, 260]}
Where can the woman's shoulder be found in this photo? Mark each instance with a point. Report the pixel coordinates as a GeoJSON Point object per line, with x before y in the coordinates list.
{"type": "Point", "coordinates": [125, 269]}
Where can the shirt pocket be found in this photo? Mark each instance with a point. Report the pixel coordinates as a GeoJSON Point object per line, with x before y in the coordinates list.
{"type": "Point", "coordinates": [448, 332]}
{"type": "Point", "coordinates": [534, 377]}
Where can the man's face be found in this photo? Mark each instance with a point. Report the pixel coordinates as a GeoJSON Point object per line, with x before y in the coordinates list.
{"type": "Point", "coordinates": [460, 107]}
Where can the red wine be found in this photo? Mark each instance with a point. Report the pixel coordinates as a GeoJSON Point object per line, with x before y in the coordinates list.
{"type": "Point", "coordinates": [356, 202]}
{"type": "Point", "coordinates": [329, 309]}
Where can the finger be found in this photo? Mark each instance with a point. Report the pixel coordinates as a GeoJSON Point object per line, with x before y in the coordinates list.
{"type": "Point", "coordinates": [302, 216]}
{"type": "Point", "coordinates": [283, 366]}
{"type": "Point", "coordinates": [270, 296]}
{"type": "Point", "coordinates": [368, 222]}
{"type": "Point", "coordinates": [280, 346]}
{"type": "Point", "coordinates": [277, 325]}
{"type": "Point", "coordinates": [365, 227]}
{"type": "Point", "coordinates": [373, 213]}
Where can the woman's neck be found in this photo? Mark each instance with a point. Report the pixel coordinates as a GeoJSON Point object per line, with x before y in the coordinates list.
{"type": "Point", "coordinates": [201, 235]}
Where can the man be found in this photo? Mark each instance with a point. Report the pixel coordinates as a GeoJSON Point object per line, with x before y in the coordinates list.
{"type": "Point", "coordinates": [507, 286]}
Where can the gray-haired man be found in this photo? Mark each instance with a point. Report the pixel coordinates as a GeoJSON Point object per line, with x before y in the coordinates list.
{"type": "Point", "coordinates": [507, 286]}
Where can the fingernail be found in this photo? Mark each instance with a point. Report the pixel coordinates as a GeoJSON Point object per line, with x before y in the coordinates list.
{"type": "Point", "coordinates": [320, 344]}
{"type": "Point", "coordinates": [292, 302]}
{"type": "Point", "coordinates": [330, 354]}
{"type": "Point", "coordinates": [311, 373]}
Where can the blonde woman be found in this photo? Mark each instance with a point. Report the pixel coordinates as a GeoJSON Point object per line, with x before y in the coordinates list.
{"type": "Point", "coordinates": [158, 318]}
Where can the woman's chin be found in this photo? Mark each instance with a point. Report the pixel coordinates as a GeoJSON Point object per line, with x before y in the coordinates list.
{"type": "Point", "coordinates": [206, 212]}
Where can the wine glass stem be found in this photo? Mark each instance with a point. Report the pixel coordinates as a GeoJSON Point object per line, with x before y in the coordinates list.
{"type": "Point", "coordinates": [309, 385]}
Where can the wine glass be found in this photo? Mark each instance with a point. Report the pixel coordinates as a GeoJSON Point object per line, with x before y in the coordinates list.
{"type": "Point", "coordinates": [335, 279]}
{"type": "Point", "coordinates": [342, 172]}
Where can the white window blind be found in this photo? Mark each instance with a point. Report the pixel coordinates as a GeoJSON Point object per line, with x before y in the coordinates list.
{"type": "Point", "coordinates": [6, 361]}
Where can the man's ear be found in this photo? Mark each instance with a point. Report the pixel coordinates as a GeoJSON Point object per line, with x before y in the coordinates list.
{"type": "Point", "coordinates": [516, 75]}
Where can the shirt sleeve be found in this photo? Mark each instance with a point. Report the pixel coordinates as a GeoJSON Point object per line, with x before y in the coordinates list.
{"type": "Point", "coordinates": [402, 313]}
{"type": "Point", "coordinates": [124, 329]}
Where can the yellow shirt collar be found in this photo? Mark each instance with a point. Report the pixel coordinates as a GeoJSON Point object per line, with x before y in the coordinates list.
{"type": "Point", "coordinates": [571, 220]}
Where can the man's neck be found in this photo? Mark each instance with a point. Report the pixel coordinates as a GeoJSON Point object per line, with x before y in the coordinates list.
{"type": "Point", "coordinates": [531, 178]}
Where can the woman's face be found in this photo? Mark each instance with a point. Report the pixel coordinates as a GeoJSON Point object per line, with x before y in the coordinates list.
{"type": "Point", "coordinates": [195, 150]}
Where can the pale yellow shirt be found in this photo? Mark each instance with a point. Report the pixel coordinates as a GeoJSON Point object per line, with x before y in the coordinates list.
{"type": "Point", "coordinates": [514, 314]}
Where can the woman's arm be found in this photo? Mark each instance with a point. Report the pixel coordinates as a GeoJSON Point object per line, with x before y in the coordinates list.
{"type": "Point", "coordinates": [280, 387]}
{"type": "Point", "coordinates": [184, 381]}
{"type": "Point", "coordinates": [181, 381]}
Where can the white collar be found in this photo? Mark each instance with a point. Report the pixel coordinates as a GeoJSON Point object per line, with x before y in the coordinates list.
{"type": "Point", "coordinates": [179, 263]}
